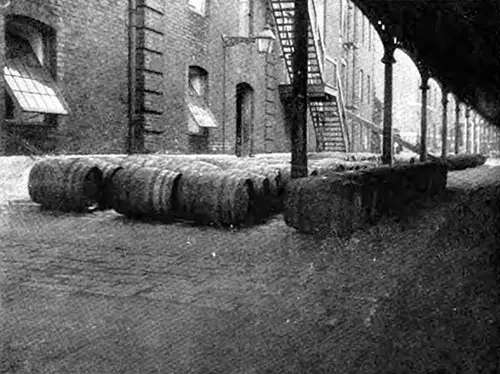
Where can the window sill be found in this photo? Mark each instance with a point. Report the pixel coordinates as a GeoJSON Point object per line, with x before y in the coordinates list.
{"type": "Point", "coordinates": [198, 12]}
{"type": "Point", "coordinates": [14, 122]}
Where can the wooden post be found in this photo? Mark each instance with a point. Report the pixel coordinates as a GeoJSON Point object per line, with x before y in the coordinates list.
{"type": "Point", "coordinates": [299, 91]}
{"type": "Point", "coordinates": [424, 73]}
{"type": "Point", "coordinates": [388, 60]}
{"type": "Point", "coordinates": [444, 135]}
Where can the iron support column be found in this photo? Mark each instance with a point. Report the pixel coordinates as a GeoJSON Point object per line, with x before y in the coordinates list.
{"type": "Point", "coordinates": [444, 133]}
{"type": "Point", "coordinates": [299, 91]}
{"type": "Point", "coordinates": [423, 124]}
{"type": "Point", "coordinates": [387, 144]}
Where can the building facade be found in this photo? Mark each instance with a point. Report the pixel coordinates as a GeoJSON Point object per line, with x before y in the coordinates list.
{"type": "Point", "coordinates": [154, 76]}
{"type": "Point", "coordinates": [65, 76]}
{"type": "Point", "coordinates": [141, 76]}
{"type": "Point", "coordinates": [356, 47]}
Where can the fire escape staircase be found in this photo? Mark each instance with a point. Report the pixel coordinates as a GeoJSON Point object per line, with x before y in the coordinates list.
{"type": "Point", "coordinates": [325, 99]}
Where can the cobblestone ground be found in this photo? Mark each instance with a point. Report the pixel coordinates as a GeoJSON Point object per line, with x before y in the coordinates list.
{"type": "Point", "coordinates": [99, 293]}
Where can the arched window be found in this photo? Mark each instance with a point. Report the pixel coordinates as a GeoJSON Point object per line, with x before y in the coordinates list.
{"type": "Point", "coordinates": [198, 81]}
{"type": "Point", "coordinates": [29, 71]}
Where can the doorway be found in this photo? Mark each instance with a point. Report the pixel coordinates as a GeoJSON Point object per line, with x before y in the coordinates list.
{"type": "Point", "coordinates": [244, 119]}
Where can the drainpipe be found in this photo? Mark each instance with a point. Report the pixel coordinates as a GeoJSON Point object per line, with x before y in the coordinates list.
{"type": "Point", "coordinates": [132, 79]}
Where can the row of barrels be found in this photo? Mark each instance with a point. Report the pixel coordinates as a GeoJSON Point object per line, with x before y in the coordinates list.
{"type": "Point", "coordinates": [159, 189]}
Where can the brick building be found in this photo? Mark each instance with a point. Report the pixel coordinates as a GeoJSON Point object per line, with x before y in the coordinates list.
{"type": "Point", "coordinates": [148, 75]}
{"type": "Point", "coordinates": [65, 70]}
{"type": "Point", "coordinates": [89, 53]}
{"type": "Point", "coordinates": [357, 50]}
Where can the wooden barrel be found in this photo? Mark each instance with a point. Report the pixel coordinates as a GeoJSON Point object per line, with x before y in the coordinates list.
{"type": "Point", "coordinates": [235, 199]}
{"type": "Point", "coordinates": [132, 162]}
{"type": "Point", "coordinates": [218, 198]}
{"type": "Point", "coordinates": [260, 200]}
{"type": "Point", "coordinates": [67, 184]}
{"type": "Point", "coordinates": [198, 198]}
{"type": "Point", "coordinates": [144, 192]}
{"type": "Point", "coordinates": [183, 166]}
{"type": "Point", "coordinates": [108, 170]}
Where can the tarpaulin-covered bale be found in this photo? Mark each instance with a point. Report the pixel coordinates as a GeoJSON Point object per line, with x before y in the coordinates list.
{"type": "Point", "coordinates": [463, 161]}
{"type": "Point", "coordinates": [144, 192]}
{"type": "Point", "coordinates": [438, 178]}
{"type": "Point", "coordinates": [376, 182]}
{"type": "Point", "coordinates": [321, 205]}
{"type": "Point", "coordinates": [328, 166]}
{"type": "Point", "coordinates": [66, 184]}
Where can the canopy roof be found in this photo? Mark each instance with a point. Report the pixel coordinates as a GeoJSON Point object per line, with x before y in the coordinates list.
{"type": "Point", "coordinates": [457, 40]}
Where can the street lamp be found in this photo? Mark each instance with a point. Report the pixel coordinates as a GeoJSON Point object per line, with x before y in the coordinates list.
{"type": "Point", "coordinates": [264, 46]}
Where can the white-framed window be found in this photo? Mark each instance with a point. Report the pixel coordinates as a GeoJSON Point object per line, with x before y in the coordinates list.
{"type": "Point", "coordinates": [200, 115]}
{"type": "Point", "coordinates": [32, 92]}
{"type": "Point", "coordinates": [198, 6]}
{"type": "Point", "coordinates": [363, 25]}
{"type": "Point", "coordinates": [360, 85]}
{"type": "Point", "coordinates": [369, 36]}
{"type": "Point", "coordinates": [368, 88]}
{"type": "Point", "coordinates": [341, 17]}
{"type": "Point", "coordinates": [245, 17]}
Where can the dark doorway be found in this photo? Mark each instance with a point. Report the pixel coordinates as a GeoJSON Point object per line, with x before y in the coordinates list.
{"type": "Point", "coordinates": [244, 119]}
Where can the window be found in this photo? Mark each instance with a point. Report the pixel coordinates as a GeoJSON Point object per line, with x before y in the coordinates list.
{"type": "Point", "coordinates": [369, 36]}
{"type": "Point", "coordinates": [200, 115]}
{"type": "Point", "coordinates": [368, 89]}
{"type": "Point", "coordinates": [245, 18]}
{"type": "Point", "coordinates": [341, 17]}
{"type": "Point", "coordinates": [356, 26]}
{"type": "Point", "coordinates": [197, 6]}
{"type": "Point", "coordinates": [361, 86]}
{"type": "Point", "coordinates": [32, 94]}
{"type": "Point", "coordinates": [344, 11]}
{"type": "Point", "coordinates": [362, 28]}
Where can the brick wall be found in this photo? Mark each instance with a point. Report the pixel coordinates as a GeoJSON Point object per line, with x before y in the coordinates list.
{"type": "Point", "coordinates": [92, 68]}
{"type": "Point", "coordinates": [345, 43]}
{"type": "Point", "coordinates": [191, 39]}
{"type": "Point", "coordinates": [91, 54]}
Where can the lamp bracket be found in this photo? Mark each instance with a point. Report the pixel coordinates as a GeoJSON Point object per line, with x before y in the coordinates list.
{"type": "Point", "coordinates": [230, 41]}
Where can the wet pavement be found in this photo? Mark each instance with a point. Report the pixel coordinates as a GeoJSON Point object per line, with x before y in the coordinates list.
{"type": "Point", "coordinates": [98, 293]}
